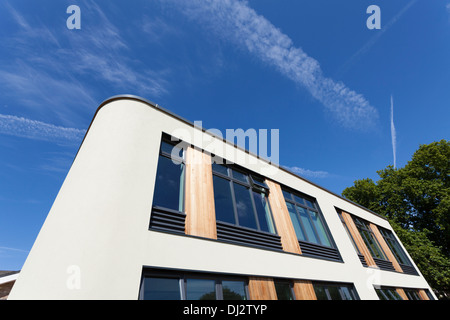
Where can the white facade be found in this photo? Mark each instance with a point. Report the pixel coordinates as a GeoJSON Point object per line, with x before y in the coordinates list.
{"type": "Point", "coordinates": [96, 238]}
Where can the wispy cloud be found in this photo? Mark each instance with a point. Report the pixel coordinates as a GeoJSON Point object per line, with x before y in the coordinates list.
{"type": "Point", "coordinates": [236, 22]}
{"type": "Point", "coordinates": [393, 134]}
{"type": "Point", "coordinates": [13, 249]}
{"type": "Point", "coordinates": [32, 129]}
{"type": "Point", "coordinates": [306, 173]}
{"type": "Point", "coordinates": [52, 69]}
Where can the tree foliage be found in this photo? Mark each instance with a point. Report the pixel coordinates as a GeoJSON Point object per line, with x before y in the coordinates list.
{"type": "Point", "coordinates": [416, 200]}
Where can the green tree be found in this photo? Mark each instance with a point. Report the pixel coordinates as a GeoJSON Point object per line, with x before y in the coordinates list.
{"type": "Point", "coordinates": [416, 200]}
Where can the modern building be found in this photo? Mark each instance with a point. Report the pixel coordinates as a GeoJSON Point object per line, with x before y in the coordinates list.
{"type": "Point", "coordinates": [155, 207]}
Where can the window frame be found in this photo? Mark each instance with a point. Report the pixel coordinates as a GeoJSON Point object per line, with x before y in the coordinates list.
{"type": "Point", "coordinates": [285, 282]}
{"type": "Point", "coordinates": [165, 138]}
{"type": "Point", "coordinates": [316, 209]}
{"type": "Point", "coordinates": [386, 291]}
{"type": "Point", "coordinates": [363, 225]}
{"type": "Point", "coordinates": [183, 276]}
{"type": "Point", "coordinates": [251, 186]}
{"type": "Point", "coordinates": [395, 247]}
{"type": "Point", "coordinates": [350, 287]}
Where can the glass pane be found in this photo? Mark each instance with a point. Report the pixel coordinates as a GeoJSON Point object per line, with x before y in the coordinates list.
{"type": "Point", "coordinates": [320, 228]}
{"type": "Point", "coordinates": [233, 290]}
{"type": "Point", "coordinates": [263, 212]}
{"type": "Point", "coordinates": [169, 148]}
{"type": "Point", "coordinates": [220, 168]}
{"type": "Point", "coordinates": [381, 294]}
{"type": "Point", "coordinates": [334, 293]}
{"type": "Point", "coordinates": [259, 182]}
{"type": "Point", "coordinates": [240, 176]}
{"type": "Point", "coordinates": [320, 292]}
{"type": "Point", "coordinates": [299, 200]}
{"type": "Point", "coordinates": [346, 293]}
{"type": "Point", "coordinates": [295, 222]}
{"type": "Point", "coordinates": [244, 206]}
{"type": "Point", "coordinates": [284, 291]}
{"type": "Point", "coordinates": [223, 201]}
{"type": "Point", "coordinates": [162, 289]}
{"type": "Point", "coordinates": [166, 147]}
{"type": "Point", "coordinates": [287, 195]}
{"type": "Point", "coordinates": [309, 204]}
{"type": "Point", "coordinates": [307, 225]}
{"type": "Point", "coordinates": [372, 244]}
{"type": "Point", "coordinates": [397, 251]}
{"type": "Point", "coordinates": [200, 289]}
{"type": "Point", "coordinates": [392, 294]}
{"type": "Point", "coordinates": [169, 185]}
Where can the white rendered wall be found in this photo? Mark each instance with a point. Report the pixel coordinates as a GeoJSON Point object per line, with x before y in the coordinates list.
{"type": "Point", "coordinates": [95, 240]}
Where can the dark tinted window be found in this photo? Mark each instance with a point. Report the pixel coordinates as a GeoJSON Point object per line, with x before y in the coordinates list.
{"type": "Point", "coordinates": [161, 289]}
{"type": "Point", "coordinates": [244, 206]}
{"type": "Point", "coordinates": [284, 291]}
{"type": "Point", "coordinates": [200, 289]}
{"type": "Point", "coordinates": [234, 290]}
{"type": "Point", "coordinates": [169, 184]}
{"type": "Point", "coordinates": [223, 200]}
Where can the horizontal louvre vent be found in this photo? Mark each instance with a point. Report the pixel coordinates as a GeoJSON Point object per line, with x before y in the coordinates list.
{"type": "Point", "coordinates": [239, 235]}
{"type": "Point", "coordinates": [318, 251]}
{"type": "Point", "coordinates": [167, 220]}
{"type": "Point", "coordinates": [363, 260]}
{"type": "Point", "coordinates": [409, 270]}
{"type": "Point", "coordinates": [384, 265]}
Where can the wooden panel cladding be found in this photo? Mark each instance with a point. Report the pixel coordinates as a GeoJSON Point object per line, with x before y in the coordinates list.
{"type": "Point", "coordinates": [261, 289]}
{"type": "Point", "coordinates": [199, 195]}
{"type": "Point", "coordinates": [385, 247]}
{"type": "Point", "coordinates": [402, 293]}
{"type": "Point", "coordinates": [358, 239]}
{"type": "Point", "coordinates": [304, 290]}
{"type": "Point", "coordinates": [423, 295]}
{"type": "Point", "coordinates": [282, 219]}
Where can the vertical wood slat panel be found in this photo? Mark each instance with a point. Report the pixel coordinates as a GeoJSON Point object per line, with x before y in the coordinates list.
{"type": "Point", "coordinates": [262, 289]}
{"type": "Point", "coordinates": [199, 204]}
{"type": "Point", "coordinates": [385, 248]}
{"type": "Point", "coordinates": [423, 295]}
{"type": "Point", "coordinates": [402, 293]}
{"type": "Point", "coordinates": [358, 239]}
{"type": "Point", "coordinates": [282, 219]}
{"type": "Point", "coordinates": [304, 290]}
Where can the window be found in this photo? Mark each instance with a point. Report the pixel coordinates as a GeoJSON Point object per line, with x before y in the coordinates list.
{"type": "Point", "coordinates": [241, 199]}
{"type": "Point", "coordinates": [169, 185]}
{"type": "Point", "coordinates": [168, 198]}
{"type": "Point", "coordinates": [388, 294]}
{"type": "Point", "coordinates": [170, 285]}
{"type": "Point", "coordinates": [308, 223]}
{"type": "Point", "coordinates": [398, 252]}
{"type": "Point", "coordinates": [412, 294]}
{"type": "Point", "coordinates": [332, 291]}
{"type": "Point", "coordinates": [369, 239]}
{"type": "Point", "coordinates": [284, 290]}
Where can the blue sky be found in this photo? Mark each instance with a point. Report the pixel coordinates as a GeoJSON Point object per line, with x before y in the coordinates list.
{"type": "Point", "coordinates": [311, 69]}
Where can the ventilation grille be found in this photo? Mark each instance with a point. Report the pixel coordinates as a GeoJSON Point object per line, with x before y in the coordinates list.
{"type": "Point", "coordinates": [167, 220]}
{"type": "Point", "coordinates": [384, 265]}
{"type": "Point", "coordinates": [240, 235]}
{"type": "Point", "coordinates": [409, 270]}
{"type": "Point", "coordinates": [363, 260]}
{"type": "Point", "coordinates": [318, 251]}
